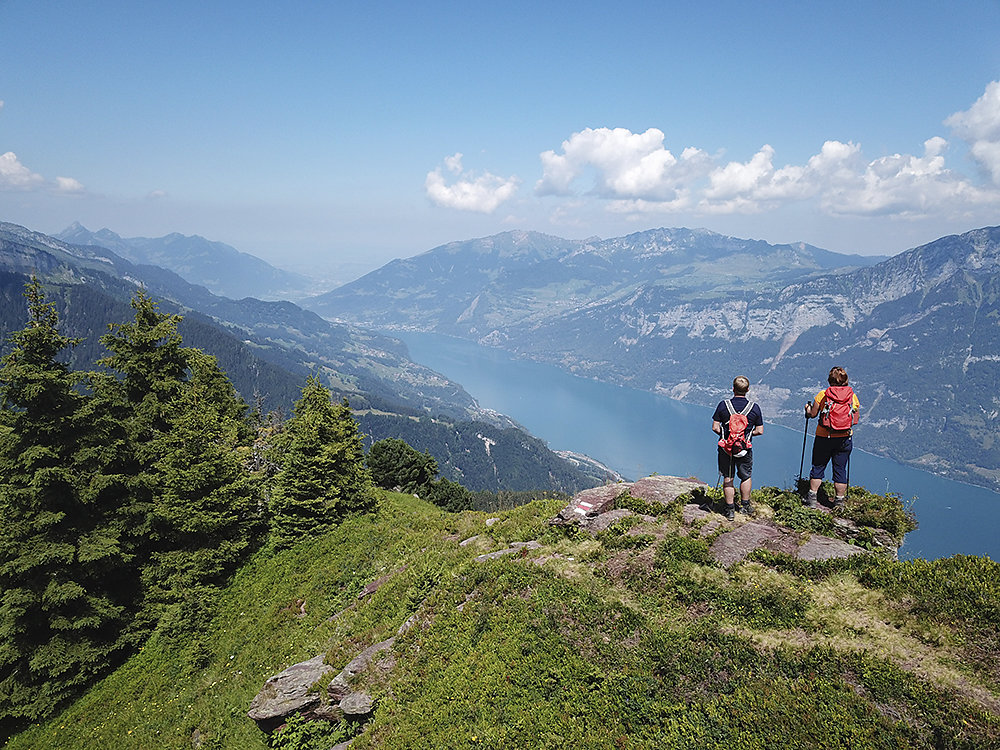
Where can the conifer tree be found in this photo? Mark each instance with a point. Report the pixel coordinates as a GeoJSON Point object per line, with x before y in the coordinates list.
{"type": "Point", "coordinates": [193, 508]}
{"type": "Point", "coordinates": [152, 366]}
{"type": "Point", "coordinates": [323, 475]}
{"type": "Point", "coordinates": [205, 510]}
{"type": "Point", "coordinates": [60, 552]}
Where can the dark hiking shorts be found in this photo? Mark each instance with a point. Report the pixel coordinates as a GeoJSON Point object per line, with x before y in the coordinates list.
{"type": "Point", "coordinates": [736, 467]}
{"type": "Point", "coordinates": [831, 449]}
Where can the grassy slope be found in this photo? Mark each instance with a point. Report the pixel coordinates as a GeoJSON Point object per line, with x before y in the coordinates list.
{"type": "Point", "coordinates": [617, 642]}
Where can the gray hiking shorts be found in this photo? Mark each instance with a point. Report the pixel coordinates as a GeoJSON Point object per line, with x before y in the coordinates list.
{"type": "Point", "coordinates": [736, 467]}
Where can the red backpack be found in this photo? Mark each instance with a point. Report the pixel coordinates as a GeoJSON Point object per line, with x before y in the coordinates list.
{"type": "Point", "coordinates": [736, 437]}
{"type": "Point", "coordinates": [838, 413]}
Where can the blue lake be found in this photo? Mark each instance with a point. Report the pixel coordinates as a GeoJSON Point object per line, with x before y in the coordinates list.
{"type": "Point", "coordinates": [638, 433]}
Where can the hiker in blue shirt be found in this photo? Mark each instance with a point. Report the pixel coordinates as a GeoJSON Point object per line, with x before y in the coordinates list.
{"type": "Point", "coordinates": [735, 451]}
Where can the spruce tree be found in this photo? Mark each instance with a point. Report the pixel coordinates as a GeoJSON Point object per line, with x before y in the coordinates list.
{"type": "Point", "coordinates": [323, 476]}
{"type": "Point", "coordinates": [205, 510]}
{"type": "Point", "coordinates": [151, 366]}
{"type": "Point", "coordinates": [60, 551]}
{"type": "Point", "coordinates": [193, 509]}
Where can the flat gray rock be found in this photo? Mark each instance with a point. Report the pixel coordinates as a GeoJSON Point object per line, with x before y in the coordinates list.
{"type": "Point", "coordinates": [730, 548]}
{"type": "Point", "coordinates": [357, 704]}
{"type": "Point", "coordinates": [818, 547]}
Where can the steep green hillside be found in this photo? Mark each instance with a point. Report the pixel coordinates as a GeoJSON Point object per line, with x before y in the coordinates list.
{"type": "Point", "coordinates": [486, 458]}
{"type": "Point", "coordinates": [633, 638]}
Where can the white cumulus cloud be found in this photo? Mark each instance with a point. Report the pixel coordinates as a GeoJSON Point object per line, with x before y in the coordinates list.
{"type": "Point", "coordinates": [627, 166]}
{"type": "Point", "coordinates": [635, 173]}
{"type": "Point", "coordinates": [756, 185]}
{"type": "Point", "coordinates": [979, 126]}
{"type": "Point", "coordinates": [468, 191]}
{"type": "Point", "coordinates": [15, 176]}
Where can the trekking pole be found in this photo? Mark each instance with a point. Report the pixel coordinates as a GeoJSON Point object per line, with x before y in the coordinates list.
{"type": "Point", "coordinates": [802, 461]}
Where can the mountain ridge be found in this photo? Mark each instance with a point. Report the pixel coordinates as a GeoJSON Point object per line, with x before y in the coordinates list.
{"type": "Point", "coordinates": [436, 629]}
{"type": "Point", "coordinates": [915, 323]}
{"type": "Point", "coordinates": [219, 267]}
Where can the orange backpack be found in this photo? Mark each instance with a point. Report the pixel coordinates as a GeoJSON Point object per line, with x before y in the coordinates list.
{"type": "Point", "coordinates": [736, 437]}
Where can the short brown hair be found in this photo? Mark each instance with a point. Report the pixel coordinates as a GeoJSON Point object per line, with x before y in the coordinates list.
{"type": "Point", "coordinates": [741, 385]}
{"type": "Point", "coordinates": [838, 376]}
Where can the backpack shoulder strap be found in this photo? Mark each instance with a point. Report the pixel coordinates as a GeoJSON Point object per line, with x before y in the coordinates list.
{"type": "Point", "coordinates": [748, 408]}
{"type": "Point", "coordinates": [729, 406]}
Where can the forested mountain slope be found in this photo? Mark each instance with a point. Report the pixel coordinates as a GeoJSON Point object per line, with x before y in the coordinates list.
{"type": "Point", "coordinates": [269, 348]}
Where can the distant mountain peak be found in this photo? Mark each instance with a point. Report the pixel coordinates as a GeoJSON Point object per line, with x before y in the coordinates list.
{"type": "Point", "coordinates": [219, 267]}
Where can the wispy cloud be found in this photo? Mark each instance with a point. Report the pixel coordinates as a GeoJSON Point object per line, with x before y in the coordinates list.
{"type": "Point", "coordinates": [468, 191]}
{"type": "Point", "coordinates": [68, 185]}
{"type": "Point", "coordinates": [636, 173]}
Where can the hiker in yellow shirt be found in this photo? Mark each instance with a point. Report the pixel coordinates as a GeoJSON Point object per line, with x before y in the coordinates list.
{"type": "Point", "coordinates": [837, 408]}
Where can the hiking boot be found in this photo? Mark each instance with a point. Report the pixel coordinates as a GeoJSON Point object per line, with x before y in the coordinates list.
{"type": "Point", "coordinates": [838, 502]}
{"type": "Point", "coordinates": [730, 512]}
{"type": "Point", "coordinates": [747, 509]}
{"type": "Point", "coordinates": [811, 500]}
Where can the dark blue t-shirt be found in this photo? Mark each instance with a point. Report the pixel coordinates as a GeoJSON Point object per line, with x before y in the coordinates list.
{"type": "Point", "coordinates": [721, 415]}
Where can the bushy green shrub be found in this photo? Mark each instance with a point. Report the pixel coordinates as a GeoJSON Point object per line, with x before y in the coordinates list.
{"type": "Point", "coordinates": [449, 495]}
{"type": "Point", "coordinates": [875, 511]}
{"type": "Point", "coordinates": [396, 466]}
{"type": "Point", "coordinates": [645, 508]}
{"type": "Point", "coordinates": [299, 733]}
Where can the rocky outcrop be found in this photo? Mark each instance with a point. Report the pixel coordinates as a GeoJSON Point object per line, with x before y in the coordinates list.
{"type": "Point", "coordinates": [293, 691]}
{"type": "Point", "coordinates": [587, 507]}
{"type": "Point", "coordinates": [289, 692]}
{"type": "Point", "coordinates": [595, 510]}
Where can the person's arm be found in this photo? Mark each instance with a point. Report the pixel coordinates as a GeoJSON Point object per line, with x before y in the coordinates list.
{"type": "Point", "coordinates": [758, 430]}
{"type": "Point", "coordinates": [717, 427]}
{"type": "Point", "coordinates": [812, 409]}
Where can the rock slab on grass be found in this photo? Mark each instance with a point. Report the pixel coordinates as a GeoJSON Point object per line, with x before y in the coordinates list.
{"type": "Point", "coordinates": [288, 693]}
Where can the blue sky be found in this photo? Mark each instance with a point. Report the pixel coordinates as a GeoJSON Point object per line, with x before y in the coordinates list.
{"type": "Point", "coordinates": [353, 133]}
